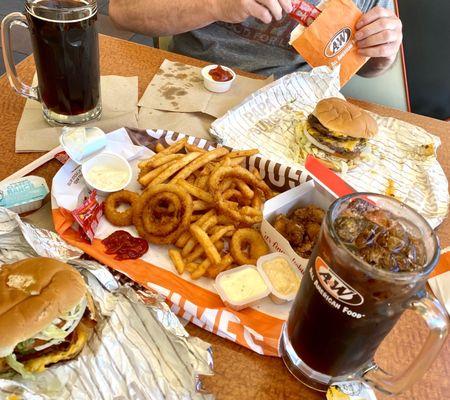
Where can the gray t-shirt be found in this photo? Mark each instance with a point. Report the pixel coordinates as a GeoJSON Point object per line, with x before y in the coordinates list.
{"type": "Point", "coordinates": [252, 45]}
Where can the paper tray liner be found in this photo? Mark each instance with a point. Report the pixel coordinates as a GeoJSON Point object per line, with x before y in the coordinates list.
{"type": "Point", "coordinates": [250, 327]}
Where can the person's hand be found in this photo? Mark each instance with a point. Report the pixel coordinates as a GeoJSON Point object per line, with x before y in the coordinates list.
{"type": "Point", "coordinates": [235, 11]}
{"type": "Point", "coordinates": [379, 34]}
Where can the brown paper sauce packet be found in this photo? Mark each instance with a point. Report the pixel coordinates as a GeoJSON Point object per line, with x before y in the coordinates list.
{"type": "Point", "coordinates": [330, 39]}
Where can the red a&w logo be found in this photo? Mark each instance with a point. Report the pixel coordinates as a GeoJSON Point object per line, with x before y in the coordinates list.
{"type": "Point", "coordinates": [335, 286]}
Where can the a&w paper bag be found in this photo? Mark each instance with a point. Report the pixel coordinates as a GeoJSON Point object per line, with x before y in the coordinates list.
{"type": "Point", "coordinates": [330, 40]}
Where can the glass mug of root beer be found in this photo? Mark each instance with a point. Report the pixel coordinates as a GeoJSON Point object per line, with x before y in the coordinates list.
{"type": "Point", "coordinates": [370, 264]}
{"type": "Point", "coordinates": [65, 47]}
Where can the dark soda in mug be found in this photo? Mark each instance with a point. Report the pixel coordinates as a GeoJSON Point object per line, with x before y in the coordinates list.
{"type": "Point", "coordinates": [66, 52]}
{"type": "Point", "coordinates": [369, 265]}
{"type": "Point", "coordinates": [66, 56]}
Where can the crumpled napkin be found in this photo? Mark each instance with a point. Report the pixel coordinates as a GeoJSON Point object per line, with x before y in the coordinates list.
{"type": "Point", "coordinates": [440, 280]}
{"type": "Point", "coordinates": [119, 102]}
{"type": "Point", "coordinates": [177, 100]}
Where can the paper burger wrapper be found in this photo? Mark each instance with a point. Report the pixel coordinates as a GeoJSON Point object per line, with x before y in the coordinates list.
{"type": "Point", "coordinates": [330, 40]}
{"type": "Point", "coordinates": [306, 194]}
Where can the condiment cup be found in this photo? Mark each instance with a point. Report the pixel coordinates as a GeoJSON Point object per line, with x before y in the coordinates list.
{"type": "Point", "coordinates": [80, 143]}
{"type": "Point", "coordinates": [23, 194]}
{"type": "Point", "coordinates": [214, 86]}
{"type": "Point", "coordinates": [110, 160]}
{"type": "Point", "coordinates": [275, 295]}
{"type": "Point", "coordinates": [247, 302]}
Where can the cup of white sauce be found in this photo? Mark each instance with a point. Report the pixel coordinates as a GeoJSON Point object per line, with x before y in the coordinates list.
{"type": "Point", "coordinates": [106, 173]}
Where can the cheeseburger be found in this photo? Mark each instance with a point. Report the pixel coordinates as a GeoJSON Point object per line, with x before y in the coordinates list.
{"type": "Point", "coordinates": [338, 132]}
{"type": "Point", "coordinates": [46, 315]}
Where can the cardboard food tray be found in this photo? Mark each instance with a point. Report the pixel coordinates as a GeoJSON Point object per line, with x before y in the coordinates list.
{"type": "Point", "coordinates": [300, 196]}
{"type": "Point", "coordinates": [257, 328]}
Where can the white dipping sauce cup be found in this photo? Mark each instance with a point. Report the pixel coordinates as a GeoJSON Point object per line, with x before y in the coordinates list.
{"type": "Point", "coordinates": [111, 160]}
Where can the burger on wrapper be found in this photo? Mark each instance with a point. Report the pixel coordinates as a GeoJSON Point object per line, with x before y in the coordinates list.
{"type": "Point", "coordinates": [337, 133]}
{"type": "Point", "coordinates": [46, 315]}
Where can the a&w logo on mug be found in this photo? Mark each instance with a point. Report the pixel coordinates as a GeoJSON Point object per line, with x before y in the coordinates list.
{"type": "Point", "coordinates": [335, 286]}
{"type": "Point", "coordinates": [338, 42]}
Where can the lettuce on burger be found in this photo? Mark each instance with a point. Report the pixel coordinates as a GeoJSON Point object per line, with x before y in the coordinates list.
{"type": "Point", "coordinates": [46, 315]}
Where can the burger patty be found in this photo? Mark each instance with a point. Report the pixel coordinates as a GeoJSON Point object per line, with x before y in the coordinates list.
{"type": "Point", "coordinates": [344, 146]}
{"type": "Point", "coordinates": [315, 123]}
{"type": "Point", "coordinates": [57, 347]}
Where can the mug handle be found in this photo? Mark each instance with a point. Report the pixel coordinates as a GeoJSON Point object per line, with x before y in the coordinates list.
{"type": "Point", "coordinates": [436, 318]}
{"type": "Point", "coordinates": [8, 22]}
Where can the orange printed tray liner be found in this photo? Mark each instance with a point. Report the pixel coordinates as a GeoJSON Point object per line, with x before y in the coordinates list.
{"type": "Point", "coordinates": [251, 328]}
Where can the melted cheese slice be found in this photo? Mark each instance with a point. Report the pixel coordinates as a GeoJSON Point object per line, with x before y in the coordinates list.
{"type": "Point", "coordinates": [346, 144]}
{"type": "Point", "coordinates": [82, 331]}
{"type": "Point", "coordinates": [349, 144]}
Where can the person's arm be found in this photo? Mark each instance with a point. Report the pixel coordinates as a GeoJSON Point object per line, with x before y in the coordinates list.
{"type": "Point", "coordinates": [378, 36]}
{"type": "Point", "coordinates": [170, 17]}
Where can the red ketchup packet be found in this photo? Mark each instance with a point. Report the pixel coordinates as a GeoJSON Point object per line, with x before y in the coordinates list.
{"type": "Point", "coordinates": [304, 12]}
{"type": "Point", "coordinates": [88, 216]}
{"type": "Point", "coordinates": [62, 157]}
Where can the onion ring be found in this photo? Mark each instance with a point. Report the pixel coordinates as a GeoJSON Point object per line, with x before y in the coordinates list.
{"type": "Point", "coordinates": [120, 218]}
{"type": "Point", "coordinates": [185, 214]}
{"type": "Point", "coordinates": [161, 213]}
{"type": "Point", "coordinates": [251, 238]}
{"type": "Point", "coordinates": [164, 204]}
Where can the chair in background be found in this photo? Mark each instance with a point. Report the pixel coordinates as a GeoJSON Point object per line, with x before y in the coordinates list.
{"type": "Point", "coordinates": [162, 42]}
{"type": "Point", "coordinates": [388, 89]}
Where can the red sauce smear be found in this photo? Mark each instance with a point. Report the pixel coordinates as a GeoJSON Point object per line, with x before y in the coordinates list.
{"type": "Point", "coordinates": [125, 246]}
{"type": "Point", "coordinates": [220, 75]}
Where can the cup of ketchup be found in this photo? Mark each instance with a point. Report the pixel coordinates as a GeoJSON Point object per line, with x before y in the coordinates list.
{"type": "Point", "coordinates": [218, 78]}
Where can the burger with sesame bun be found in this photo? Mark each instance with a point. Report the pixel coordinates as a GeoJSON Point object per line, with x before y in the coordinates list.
{"type": "Point", "coordinates": [46, 315]}
{"type": "Point", "coordinates": [337, 133]}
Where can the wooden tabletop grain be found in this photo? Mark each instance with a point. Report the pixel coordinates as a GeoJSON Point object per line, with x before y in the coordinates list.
{"type": "Point", "coordinates": [240, 373]}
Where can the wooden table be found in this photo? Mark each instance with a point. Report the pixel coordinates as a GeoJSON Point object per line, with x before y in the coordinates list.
{"type": "Point", "coordinates": [240, 373]}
